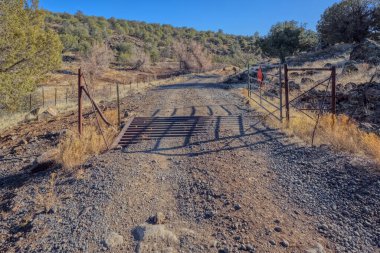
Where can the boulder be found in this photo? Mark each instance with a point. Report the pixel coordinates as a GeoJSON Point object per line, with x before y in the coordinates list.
{"type": "Point", "coordinates": [372, 95]}
{"type": "Point", "coordinates": [349, 67]}
{"type": "Point", "coordinates": [42, 114]}
{"type": "Point", "coordinates": [306, 80]}
{"type": "Point", "coordinates": [368, 51]}
{"type": "Point", "coordinates": [318, 248]}
{"type": "Point", "coordinates": [113, 240]}
{"type": "Point", "coordinates": [294, 86]}
{"type": "Point", "coordinates": [294, 74]}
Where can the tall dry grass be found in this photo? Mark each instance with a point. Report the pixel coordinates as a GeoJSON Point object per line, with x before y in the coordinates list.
{"type": "Point", "coordinates": [76, 149]}
{"type": "Point", "coordinates": [340, 132]}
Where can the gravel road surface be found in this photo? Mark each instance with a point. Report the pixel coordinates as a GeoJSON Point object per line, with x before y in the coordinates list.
{"type": "Point", "coordinates": [240, 186]}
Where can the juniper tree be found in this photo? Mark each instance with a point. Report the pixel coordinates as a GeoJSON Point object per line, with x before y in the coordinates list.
{"type": "Point", "coordinates": [28, 50]}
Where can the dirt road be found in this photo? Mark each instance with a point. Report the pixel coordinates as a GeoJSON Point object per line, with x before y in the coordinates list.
{"type": "Point", "coordinates": [240, 186]}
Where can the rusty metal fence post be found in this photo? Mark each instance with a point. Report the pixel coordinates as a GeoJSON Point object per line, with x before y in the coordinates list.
{"type": "Point", "coordinates": [55, 97]}
{"type": "Point", "coordinates": [287, 92]}
{"type": "Point", "coordinates": [249, 83]}
{"type": "Point", "coordinates": [280, 83]}
{"type": "Point", "coordinates": [118, 105]}
{"type": "Point", "coordinates": [333, 91]}
{"type": "Point", "coordinates": [80, 124]}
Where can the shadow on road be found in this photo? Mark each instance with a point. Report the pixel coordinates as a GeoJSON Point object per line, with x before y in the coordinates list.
{"type": "Point", "coordinates": [228, 133]}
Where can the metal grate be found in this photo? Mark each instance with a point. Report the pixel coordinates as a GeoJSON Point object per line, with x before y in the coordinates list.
{"type": "Point", "coordinates": [153, 128]}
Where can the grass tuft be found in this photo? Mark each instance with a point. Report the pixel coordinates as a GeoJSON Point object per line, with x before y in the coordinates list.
{"type": "Point", "coordinates": [75, 149]}
{"type": "Point", "coordinates": [340, 132]}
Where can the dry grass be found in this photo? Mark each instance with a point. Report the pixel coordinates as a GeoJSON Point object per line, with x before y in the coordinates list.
{"type": "Point", "coordinates": [340, 132]}
{"type": "Point", "coordinates": [75, 149]}
{"type": "Point", "coordinates": [48, 200]}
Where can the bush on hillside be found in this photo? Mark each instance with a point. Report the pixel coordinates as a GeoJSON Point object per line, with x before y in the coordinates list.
{"type": "Point", "coordinates": [349, 21]}
{"type": "Point", "coordinates": [29, 50]}
{"type": "Point", "coordinates": [286, 38]}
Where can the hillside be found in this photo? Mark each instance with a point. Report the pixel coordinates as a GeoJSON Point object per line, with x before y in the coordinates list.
{"type": "Point", "coordinates": [78, 32]}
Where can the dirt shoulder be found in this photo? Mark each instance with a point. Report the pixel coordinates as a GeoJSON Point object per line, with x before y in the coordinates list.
{"type": "Point", "coordinates": [239, 187]}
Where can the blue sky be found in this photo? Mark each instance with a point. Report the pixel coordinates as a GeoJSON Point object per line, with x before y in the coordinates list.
{"type": "Point", "coordinates": [243, 17]}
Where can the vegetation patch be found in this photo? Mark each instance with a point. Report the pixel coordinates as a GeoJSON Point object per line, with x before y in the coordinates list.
{"type": "Point", "coordinates": [338, 131]}
{"type": "Point", "coordinates": [75, 149]}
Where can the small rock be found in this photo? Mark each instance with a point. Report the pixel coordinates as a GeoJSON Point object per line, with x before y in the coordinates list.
{"type": "Point", "coordinates": [323, 227]}
{"type": "Point", "coordinates": [23, 142]}
{"type": "Point", "coordinates": [237, 207]}
{"type": "Point", "coordinates": [119, 147]}
{"type": "Point", "coordinates": [278, 229]}
{"type": "Point", "coordinates": [306, 80]}
{"type": "Point", "coordinates": [223, 250]}
{"type": "Point", "coordinates": [349, 68]}
{"type": "Point", "coordinates": [159, 218]}
{"type": "Point", "coordinates": [209, 214]}
{"type": "Point", "coordinates": [249, 247]}
{"type": "Point", "coordinates": [272, 242]}
{"type": "Point", "coordinates": [318, 248]}
{"type": "Point", "coordinates": [113, 240]}
{"type": "Point", "coordinates": [284, 243]}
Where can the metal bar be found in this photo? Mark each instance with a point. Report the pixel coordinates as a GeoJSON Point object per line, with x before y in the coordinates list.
{"type": "Point", "coordinates": [121, 134]}
{"type": "Point", "coordinates": [248, 82]}
{"type": "Point", "coordinates": [80, 87]}
{"type": "Point", "coordinates": [315, 86]}
{"type": "Point", "coordinates": [55, 97]}
{"type": "Point", "coordinates": [333, 91]}
{"type": "Point", "coordinates": [306, 69]}
{"type": "Point", "coordinates": [96, 106]}
{"type": "Point", "coordinates": [260, 90]}
{"type": "Point", "coordinates": [264, 82]}
{"type": "Point", "coordinates": [118, 105]}
{"type": "Point", "coordinates": [310, 109]}
{"type": "Point", "coordinates": [269, 74]}
{"type": "Point", "coordinates": [287, 92]}
{"type": "Point", "coordinates": [261, 98]}
{"type": "Point", "coordinates": [263, 107]}
{"type": "Point", "coordinates": [280, 81]}
{"type": "Point", "coordinates": [147, 136]}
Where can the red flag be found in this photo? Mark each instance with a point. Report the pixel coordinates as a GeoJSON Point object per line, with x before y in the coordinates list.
{"type": "Point", "coordinates": [260, 76]}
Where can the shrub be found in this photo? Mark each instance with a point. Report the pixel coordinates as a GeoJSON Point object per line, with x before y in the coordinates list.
{"type": "Point", "coordinates": [285, 39]}
{"type": "Point", "coordinates": [348, 21]}
{"type": "Point", "coordinates": [29, 51]}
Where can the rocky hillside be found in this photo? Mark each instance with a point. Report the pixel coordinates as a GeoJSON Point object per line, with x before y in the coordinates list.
{"type": "Point", "coordinates": [78, 32]}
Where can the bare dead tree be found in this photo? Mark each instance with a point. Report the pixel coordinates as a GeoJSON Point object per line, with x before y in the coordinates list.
{"type": "Point", "coordinates": [96, 61]}
{"type": "Point", "coordinates": [139, 59]}
{"type": "Point", "coordinates": [192, 56]}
